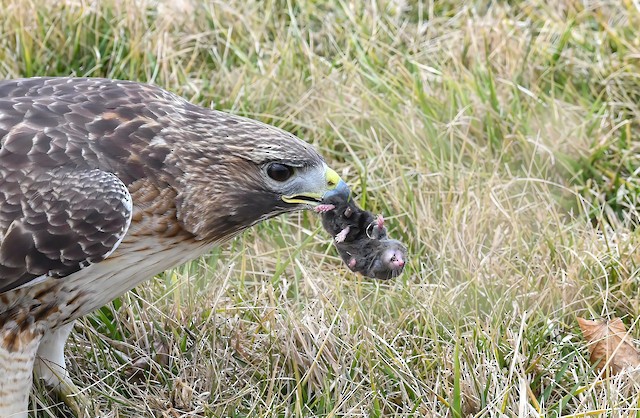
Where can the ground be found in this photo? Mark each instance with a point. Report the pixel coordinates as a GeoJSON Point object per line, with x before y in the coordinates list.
{"type": "Point", "coordinates": [498, 138]}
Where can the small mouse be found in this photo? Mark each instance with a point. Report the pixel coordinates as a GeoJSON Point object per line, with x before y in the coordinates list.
{"type": "Point", "coordinates": [361, 239]}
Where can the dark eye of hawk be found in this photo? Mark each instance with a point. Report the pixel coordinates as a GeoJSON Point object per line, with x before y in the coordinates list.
{"type": "Point", "coordinates": [279, 172]}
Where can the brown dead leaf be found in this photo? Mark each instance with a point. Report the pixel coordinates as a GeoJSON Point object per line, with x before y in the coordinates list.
{"type": "Point", "coordinates": [609, 344]}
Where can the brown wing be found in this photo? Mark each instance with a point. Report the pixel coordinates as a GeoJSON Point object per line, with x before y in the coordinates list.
{"type": "Point", "coordinates": [66, 148]}
{"type": "Point", "coordinates": [85, 123]}
{"type": "Point", "coordinates": [67, 145]}
{"type": "Point", "coordinates": [55, 222]}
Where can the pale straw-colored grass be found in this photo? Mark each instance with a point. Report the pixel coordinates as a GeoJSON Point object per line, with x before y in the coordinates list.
{"type": "Point", "coordinates": [498, 138]}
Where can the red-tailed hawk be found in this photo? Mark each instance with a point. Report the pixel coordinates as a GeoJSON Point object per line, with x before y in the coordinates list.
{"type": "Point", "coordinates": [105, 183]}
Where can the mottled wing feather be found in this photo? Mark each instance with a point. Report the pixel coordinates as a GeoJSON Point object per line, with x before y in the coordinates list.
{"type": "Point", "coordinates": [85, 123]}
{"type": "Point", "coordinates": [59, 221]}
{"type": "Point", "coordinates": [68, 147]}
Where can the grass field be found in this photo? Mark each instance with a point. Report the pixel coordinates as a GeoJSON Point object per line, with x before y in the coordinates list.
{"type": "Point", "coordinates": [499, 138]}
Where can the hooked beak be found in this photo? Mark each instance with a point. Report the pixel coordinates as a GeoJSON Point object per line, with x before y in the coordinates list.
{"type": "Point", "coordinates": [341, 191]}
{"type": "Point", "coordinates": [333, 186]}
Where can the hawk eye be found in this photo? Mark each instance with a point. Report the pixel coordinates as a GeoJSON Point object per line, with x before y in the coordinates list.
{"type": "Point", "coordinates": [279, 172]}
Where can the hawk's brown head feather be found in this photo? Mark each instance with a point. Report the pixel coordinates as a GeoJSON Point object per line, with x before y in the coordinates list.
{"type": "Point", "coordinates": [221, 165]}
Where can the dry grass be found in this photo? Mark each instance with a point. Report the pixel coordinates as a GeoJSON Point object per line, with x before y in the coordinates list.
{"type": "Point", "coordinates": [498, 137]}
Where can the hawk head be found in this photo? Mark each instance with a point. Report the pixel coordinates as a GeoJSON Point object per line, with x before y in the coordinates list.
{"type": "Point", "coordinates": [235, 172]}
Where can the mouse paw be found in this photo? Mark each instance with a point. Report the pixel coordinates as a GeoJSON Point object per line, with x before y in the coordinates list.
{"type": "Point", "coordinates": [342, 235]}
{"type": "Point", "coordinates": [352, 263]}
{"type": "Point", "coordinates": [376, 229]}
{"type": "Point", "coordinates": [324, 208]}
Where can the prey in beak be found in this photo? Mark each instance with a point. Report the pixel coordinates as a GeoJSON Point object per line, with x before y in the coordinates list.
{"type": "Point", "coordinates": [361, 239]}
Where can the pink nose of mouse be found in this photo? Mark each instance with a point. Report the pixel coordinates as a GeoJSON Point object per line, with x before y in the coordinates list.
{"type": "Point", "coordinates": [397, 260]}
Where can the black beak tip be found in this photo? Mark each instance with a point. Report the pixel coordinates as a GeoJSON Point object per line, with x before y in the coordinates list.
{"type": "Point", "coordinates": [340, 192]}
